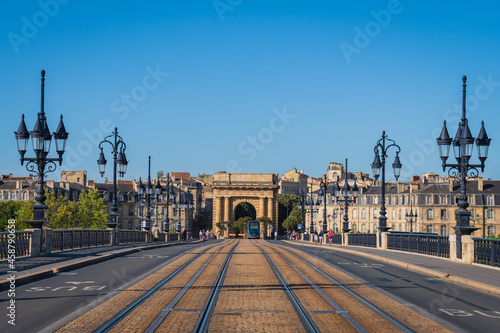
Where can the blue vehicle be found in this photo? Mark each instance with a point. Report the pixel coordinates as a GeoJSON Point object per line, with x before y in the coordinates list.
{"type": "Point", "coordinates": [253, 229]}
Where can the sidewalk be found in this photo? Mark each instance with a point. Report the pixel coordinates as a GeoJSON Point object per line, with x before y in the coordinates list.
{"type": "Point", "coordinates": [32, 268]}
{"type": "Point", "coordinates": [482, 277]}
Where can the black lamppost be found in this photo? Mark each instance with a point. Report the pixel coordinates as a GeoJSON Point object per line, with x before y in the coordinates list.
{"type": "Point", "coordinates": [186, 203]}
{"type": "Point", "coordinates": [311, 204]}
{"type": "Point", "coordinates": [462, 148]}
{"type": "Point", "coordinates": [377, 166]}
{"type": "Point", "coordinates": [347, 196]}
{"type": "Point", "coordinates": [170, 196]}
{"type": "Point", "coordinates": [119, 165]}
{"type": "Point", "coordinates": [323, 188]}
{"type": "Point", "coordinates": [147, 196]}
{"type": "Point", "coordinates": [409, 217]}
{"type": "Point", "coordinates": [41, 140]}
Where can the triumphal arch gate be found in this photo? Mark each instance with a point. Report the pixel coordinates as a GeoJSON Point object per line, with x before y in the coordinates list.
{"type": "Point", "coordinates": [258, 189]}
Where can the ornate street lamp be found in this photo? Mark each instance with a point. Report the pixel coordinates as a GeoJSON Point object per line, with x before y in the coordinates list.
{"type": "Point", "coordinates": [347, 196]}
{"type": "Point", "coordinates": [462, 148]}
{"type": "Point", "coordinates": [150, 195]}
{"type": "Point", "coordinates": [323, 188]}
{"type": "Point", "coordinates": [119, 165]}
{"type": "Point", "coordinates": [170, 197]}
{"type": "Point", "coordinates": [308, 203]}
{"type": "Point", "coordinates": [409, 217]}
{"type": "Point", "coordinates": [40, 165]}
{"type": "Point", "coordinates": [378, 168]}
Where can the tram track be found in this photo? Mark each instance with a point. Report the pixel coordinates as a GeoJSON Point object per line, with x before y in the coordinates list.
{"type": "Point", "coordinates": [309, 315]}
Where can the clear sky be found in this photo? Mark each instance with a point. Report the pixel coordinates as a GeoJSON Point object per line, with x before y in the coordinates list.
{"type": "Point", "coordinates": [250, 86]}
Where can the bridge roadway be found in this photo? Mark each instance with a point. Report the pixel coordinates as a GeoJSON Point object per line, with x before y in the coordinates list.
{"type": "Point", "coordinates": [250, 296]}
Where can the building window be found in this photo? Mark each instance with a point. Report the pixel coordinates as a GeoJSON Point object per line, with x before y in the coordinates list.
{"type": "Point", "coordinates": [490, 214]}
{"type": "Point", "coordinates": [354, 227]}
{"type": "Point", "coordinates": [444, 200]}
{"type": "Point", "coordinates": [120, 196]}
{"type": "Point", "coordinates": [363, 214]}
{"type": "Point", "coordinates": [430, 215]}
{"type": "Point", "coordinates": [25, 195]}
{"type": "Point", "coordinates": [443, 230]}
{"type": "Point", "coordinates": [363, 200]}
{"type": "Point", "coordinates": [363, 228]}
{"type": "Point", "coordinates": [131, 197]}
{"type": "Point", "coordinates": [141, 210]}
{"type": "Point", "coordinates": [393, 214]}
{"type": "Point", "coordinates": [429, 199]}
{"type": "Point", "coordinates": [130, 211]}
{"type": "Point", "coordinates": [443, 214]}
{"type": "Point", "coordinates": [354, 214]}
{"type": "Point", "coordinates": [375, 200]}
{"type": "Point", "coordinates": [473, 215]}
{"type": "Point", "coordinates": [75, 196]}
{"type": "Point", "coordinates": [400, 214]}
{"type": "Point", "coordinates": [491, 230]}
{"type": "Point", "coordinates": [375, 213]}
{"type": "Point", "coordinates": [472, 200]}
{"type": "Point", "coordinates": [491, 200]}
{"type": "Point", "coordinates": [175, 211]}
{"type": "Point", "coordinates": [120, 211]}
{"type": "Point", "coordinates": [429, 229]}
{"type": "Point", "coordinates": [12, 195]}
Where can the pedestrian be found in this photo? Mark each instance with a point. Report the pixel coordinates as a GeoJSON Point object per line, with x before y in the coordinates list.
{"type": "Point", "coordinates": [315, 236]}
{"type": "Point", "coordinates": [321, 237]}
{"type": "Point", "coordinates": [155, 234]}
{"type": "Point", "coordinates": [200, 234]}
{"type": "Point", "coordinates": [293, 235]}
{"type": "Point", "coordinates": [275, 234]}
{"type": "Point", "coordinates": [330, 237]}
{"type": "Point", "coordinates": [184, 234]}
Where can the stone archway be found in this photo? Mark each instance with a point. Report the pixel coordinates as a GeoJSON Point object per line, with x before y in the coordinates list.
{"type": "Point", "coordinates": [258, 189]}
{"type": "Point", "coordinates": [244, 209]}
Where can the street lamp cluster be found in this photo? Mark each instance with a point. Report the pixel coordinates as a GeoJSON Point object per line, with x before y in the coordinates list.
{"type": "Point", "coordinates": [310, 203]}
{"type": "Point", "coordinates": [149, 195]}
{"type": "Point", "coordinates": [119, 165]}
{"type": "Point", "coordinates": [40, 165]}
{"type": "Point", "coordinates": [346, 195]}
{"type": "Point", "coordinates": [185, 203]}
{"type": "Point", "coordinates": [463, 144]}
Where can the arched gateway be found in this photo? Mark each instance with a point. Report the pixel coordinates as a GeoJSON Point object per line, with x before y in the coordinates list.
{"type": "Point", "coordinates": [258, 189]}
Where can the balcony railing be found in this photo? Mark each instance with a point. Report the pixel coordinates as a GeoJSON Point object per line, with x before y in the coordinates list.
{"type": "Point", "coordinates": [432, 245]}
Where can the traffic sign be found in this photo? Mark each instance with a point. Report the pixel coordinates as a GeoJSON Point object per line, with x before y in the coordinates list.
{"type": "Point", "coordinates": [271, 227]}
{"type": "Point", "coordinates": [300, 225]}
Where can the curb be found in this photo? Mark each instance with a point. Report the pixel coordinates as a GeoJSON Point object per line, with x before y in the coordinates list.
{"type": "Point", "coordinates": [62, 267]}
{"type": "Point", "coordinates": [456, 279]}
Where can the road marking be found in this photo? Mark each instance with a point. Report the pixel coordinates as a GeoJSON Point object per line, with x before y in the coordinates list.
{"type": "Point", "coordinates": [383, 279]}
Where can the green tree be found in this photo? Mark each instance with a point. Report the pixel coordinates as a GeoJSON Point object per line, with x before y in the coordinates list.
{"type": "Point", "coordinates": [7, 212]}
{"type": "Point", "coordinates": [24, 212]}
{"type": "Point", "coordinates": [241, 225]}
{"type": "Point", "coordinates": [265, 221]}
{"type": "Point", "coordinates": [286, 203]}
{"type": "Point", "coordinates": [159, 174]}
{"type": "Point", "coordinates": [55, 209]}
{"type": "Point", "coordinates": [293, 220]}
{"type": "Point", "coordinates": [91, 213]}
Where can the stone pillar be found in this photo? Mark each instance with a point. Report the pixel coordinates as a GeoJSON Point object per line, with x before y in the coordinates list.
{"type": "Point", "coordinates": [226, 215]}
{"type": "Point", "coordinates": [261, 210]}
{"type": "Point", "coordinates": [345, 239]}
{"type": "Point", "coordinates": [383, 245]}
{"type": "Point", "coordinates": [453, 247]}
{"type": "Point", "coordinates": [113, 237]}
{"type": "Point", "coordinates": [36, 237]}
{"type": "Point", "coordinates": [467, 249]}
{"type": "Point", "coordinates": [270, 211]}
{"type": "Point", "coordinates": [48, 241]}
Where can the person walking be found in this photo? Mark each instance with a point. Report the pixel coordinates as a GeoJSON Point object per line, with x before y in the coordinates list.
{"type": "Point", "coordinates": [275, 234]}
{"type": "Point", "coordinates": [330, 237]}
{"type": "Point", "coordinates": [155, 234]}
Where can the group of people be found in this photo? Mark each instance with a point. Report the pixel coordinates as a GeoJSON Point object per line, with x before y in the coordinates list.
{"type": "Point", "coordinates": [319, 237]}
{"type": "Point", "coordinates": [205, 234]}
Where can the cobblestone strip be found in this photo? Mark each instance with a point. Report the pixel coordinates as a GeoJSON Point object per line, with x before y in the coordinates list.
{"type": "Point", "coordinates": [95, 318]}
{"type": "Point", "coordinates": [252, 299]}
{"type": "Point", "coordinates": [369, 319]}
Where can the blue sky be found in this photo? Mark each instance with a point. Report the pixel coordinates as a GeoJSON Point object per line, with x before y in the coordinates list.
{"type": "Point", "coordinates": [250, 86]}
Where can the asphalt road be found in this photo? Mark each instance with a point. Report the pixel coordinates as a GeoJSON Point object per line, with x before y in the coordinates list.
{"type": "Point", "coordinates": [453, 306]}
{"type": "Point", "coordinates": [42, 303]}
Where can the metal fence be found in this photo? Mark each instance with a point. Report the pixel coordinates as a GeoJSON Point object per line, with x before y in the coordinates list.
{"type": "Point", "coordinates": [68, 239]}
{"type": "Point", "coordinates": [173, 237]}
{"type": "Point", "coordinates": [337, 239]}
{"type": "Point", "coordinates": [487, 251]}
{"type": "Point", "coordinates": [19, 245]}
{"type": "Point", "coordinates": [132, 236]}
{"type": "Point", "coordinates": [368, 240]}
{"type": "Point", "coordinates": [432, 245]}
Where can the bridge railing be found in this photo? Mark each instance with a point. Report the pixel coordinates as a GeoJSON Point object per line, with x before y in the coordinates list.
{"type": "Point", "coordinates": [68, 239]}
{"type": "Point", "coordinates": [174, 237]}
{"type": "Point", "coordinates": [487, 251]}
{"type": "Point", "coordinates": [15, 244]}
{"type": "Point", "coordinates": [432, 245]}
{"type": "Point", "coordinates": [132, 236]}
{"type": "Point", "coordinates": [337, 239]}
{"type": "Point", "coordinates": [368, 240]}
